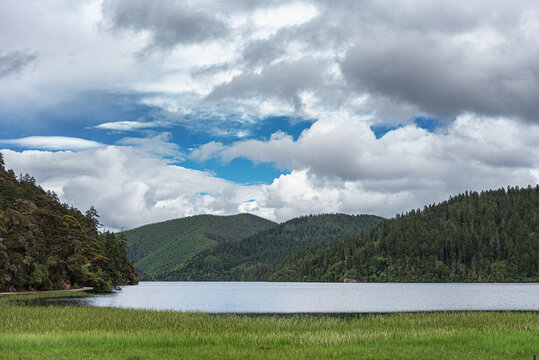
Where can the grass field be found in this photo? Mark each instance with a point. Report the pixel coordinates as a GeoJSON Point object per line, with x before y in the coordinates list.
{"type": "Point", "coordinates": [53, 332]}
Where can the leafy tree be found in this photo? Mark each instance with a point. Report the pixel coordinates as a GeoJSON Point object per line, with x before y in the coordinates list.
{"type": "Point", "coordinates": [46, 245]}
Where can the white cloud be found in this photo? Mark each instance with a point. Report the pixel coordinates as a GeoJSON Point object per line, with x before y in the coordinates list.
{"type": "Point", "coordinates": [207, 151]}
{"type": "Point", "coordinates": [344, 147]}
{"type": "Point", "coordinates": [131, 125]}
{"type": "Point", "coordinates": [157, 145]}
{"type": "Point", "coordinates": [128, 188]}
{"type": "Point", "coordinates": [52, 143]}
{"type": "Point", "coordinates": [337, 165]}
{"type": "Point", "coordinates": [269, 20]}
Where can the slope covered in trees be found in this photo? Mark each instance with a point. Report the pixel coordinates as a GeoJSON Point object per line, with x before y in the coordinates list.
{"type": "Point", "coordinates": [491, 236]}
{"type": "Point", "coordinates": [46, 245]}
{"type": "Point", "coordinates": [254, 257]}
{"type": "Point", "coordinates": [157, 249]}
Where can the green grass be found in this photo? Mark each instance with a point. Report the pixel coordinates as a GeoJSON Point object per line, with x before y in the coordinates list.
{"type": "Point", "coordinates": [54, 332]}
{"type": "Point", "coordinates": [8, 299]}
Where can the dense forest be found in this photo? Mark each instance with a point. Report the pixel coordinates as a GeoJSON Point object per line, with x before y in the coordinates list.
{"type": "Point", "coordinates": [160, 248]}
{"type": "Point", "coordinates": [255, 257]}
{"type": "Point", "coordinates": [46, 245]}
{"type": "Point", "coordinates": [492, 236]}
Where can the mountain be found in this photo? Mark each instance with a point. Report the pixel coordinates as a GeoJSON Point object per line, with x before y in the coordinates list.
{"type": "Point", "coordinates": [46, 245]}
{"type": "Point", "coordinates": [157, 249]}
{"type": "Point", "coordinates": [491, 236]}
{"type": "Point", "coordinates": [254, 257]}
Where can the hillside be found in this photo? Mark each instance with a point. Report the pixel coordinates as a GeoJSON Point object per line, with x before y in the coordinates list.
{"type": "Point", "coordinates": [157, 249]}
{"type": "Point", "coordinates": [491, 236]}
{"type": "Point", "coordinates": [253, 258]}
{"type": "Point", "coordinates": [46, 245]}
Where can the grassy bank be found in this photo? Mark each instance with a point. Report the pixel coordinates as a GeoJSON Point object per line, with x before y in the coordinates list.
{"type": "Point", "coordinates": [37, 332]}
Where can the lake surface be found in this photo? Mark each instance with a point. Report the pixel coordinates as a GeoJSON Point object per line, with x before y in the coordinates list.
{"type": "Point", "coordinates": [269, 297]}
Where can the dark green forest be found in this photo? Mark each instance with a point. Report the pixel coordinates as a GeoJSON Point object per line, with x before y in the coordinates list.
{"type": "Point", "coordinates": [160, 248]}
{"type": "Point", "coordinates": [47, 245]}
{"type": "Point", "coordinates": [492, 236]}
{"type": "Point", "coordinates": [255, 257]}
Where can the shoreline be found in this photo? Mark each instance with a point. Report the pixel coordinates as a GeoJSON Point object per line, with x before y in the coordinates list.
{"type": "Point", "coordinates": [83, 289]}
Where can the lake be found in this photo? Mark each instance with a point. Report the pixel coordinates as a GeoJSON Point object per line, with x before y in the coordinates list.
{"type": "Point", "coordinates": [274, 297]}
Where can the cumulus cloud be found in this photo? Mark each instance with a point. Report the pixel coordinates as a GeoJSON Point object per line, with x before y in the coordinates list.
{"type": "Point", "coordinates": [128, 188]}
{"type": "Point", "coordinates": [207, 151]}
{"type": "Point", "coordinates": [15, 62]}
{"type": "Point", "coordinates": [345, 148]}
{"type": "Point", "coordinates": [52, 143]}
{"type": "Point", "coordinates": [340, 158]}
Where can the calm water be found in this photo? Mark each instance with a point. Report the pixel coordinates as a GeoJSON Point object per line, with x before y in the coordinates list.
{"type": "Point", "coordinates": [264, 297]}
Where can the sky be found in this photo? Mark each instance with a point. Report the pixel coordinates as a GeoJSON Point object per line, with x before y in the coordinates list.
{"type": "Point", "coordinates": [154, 110]}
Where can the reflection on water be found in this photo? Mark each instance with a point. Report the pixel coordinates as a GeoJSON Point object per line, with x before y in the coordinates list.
{"type": "Point", "coordinates": [68, 301]}
{"type": "Point", "coordinates": [266, 297]}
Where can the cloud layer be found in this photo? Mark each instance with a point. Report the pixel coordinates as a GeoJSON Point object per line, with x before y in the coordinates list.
{"type": "Point", "coordinates": [337, 165]}
{"type": "Point", "coordinates": [195, 82]}
{"type": "Point", "coordinates": [392, 61]}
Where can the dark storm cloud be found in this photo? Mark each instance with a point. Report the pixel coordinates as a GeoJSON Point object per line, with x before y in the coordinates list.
{"type": "Point", "coordinates": [445, 78]}
{"type": "Point", "coordinates": [441, 58]}
{"type": "Point", "coordinates": [262, 52]}
{"type": "Point", "coordinates": [170, 23]}
{"type": "Point", "coordinates": [447, 57]}
{"type": "Point", "coordinates": [15, 62]}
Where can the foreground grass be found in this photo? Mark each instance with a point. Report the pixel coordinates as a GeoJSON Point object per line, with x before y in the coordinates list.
{"type": "Point", "coordinates": [37, 332]}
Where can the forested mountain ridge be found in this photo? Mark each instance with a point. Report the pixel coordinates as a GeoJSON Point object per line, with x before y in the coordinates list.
{"type": "Point", "coordinates": [254, 257]}
{"type": "Point", "coordinates": [46, 245]}
{"type": "Point", "coordinates": [487, 236]}
{"type": "Point", "coordinates": [157, 249]}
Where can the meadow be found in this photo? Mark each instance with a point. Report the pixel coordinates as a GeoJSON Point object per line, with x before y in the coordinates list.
{"type": "Point", "coordinates": [69, 332]}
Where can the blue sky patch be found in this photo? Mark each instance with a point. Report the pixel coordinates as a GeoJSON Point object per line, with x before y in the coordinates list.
{"type": "Point", "coordinates": [380, 130]}
{"type": "Point", "coordinates": [427, 123]}
{"type": "Point", "coordinates": [239, 170]}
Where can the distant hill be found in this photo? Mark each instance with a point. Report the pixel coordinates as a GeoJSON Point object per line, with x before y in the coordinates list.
{"type": "Point", "coordinates": [491, 236]}
{"type": "Point", "coordinates": [254, 257]}
{"type": "Point", "coordinates": [46, 245]}
{"type": "Point", "coordinates": [158, 249]}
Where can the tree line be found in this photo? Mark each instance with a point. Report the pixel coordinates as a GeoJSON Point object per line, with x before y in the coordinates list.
{"type": "Point", "coordinates": [256, 256]}
{"type": "Point", "coordinates": [492, 236]}
{"type": "Point", "coordinates": [47, 245]}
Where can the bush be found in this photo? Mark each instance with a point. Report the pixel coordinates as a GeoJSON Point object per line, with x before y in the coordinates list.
{"type": "Point", "coordinates": [100, 284]}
